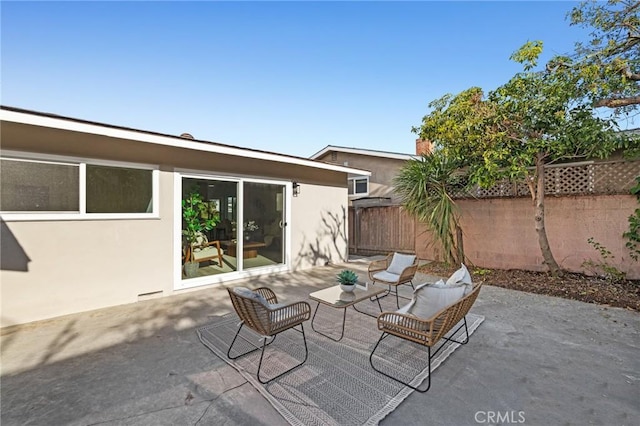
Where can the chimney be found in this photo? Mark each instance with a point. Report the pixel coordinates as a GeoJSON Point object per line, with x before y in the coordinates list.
{"type": "Point", "coordinates": [423, 147]}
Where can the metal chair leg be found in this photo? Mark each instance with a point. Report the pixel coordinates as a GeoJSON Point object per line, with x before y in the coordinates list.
{"type": "Point", "coordinates": [466, 331]}
{"type": "Point", "coordinates": [380, 296]}
{"type": "Point", "coordinates": [397, 301]}
{"type": "Point", "coordinates": [247, 352]}
{"type": "Point", "coordinates": [388, 292]}
{"type": "Point", "coordinates": [416, 388]}
{"type": "Point", "coordinates": [306, 353]}
{"type": "Point", "coordinates": [430, 355]}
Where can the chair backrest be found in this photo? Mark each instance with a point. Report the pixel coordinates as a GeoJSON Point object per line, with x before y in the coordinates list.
{"type": "Point", "coordinates": [405, 265]}
{"type": "Point", "coordinates": [251, 311]}
{"type": "Point", "coordinates": [448, 317]}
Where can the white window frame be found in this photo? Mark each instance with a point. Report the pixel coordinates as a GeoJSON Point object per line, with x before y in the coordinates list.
{"type": "Point", "coordinates": [181, 284]}
{"type": "Point", "coordinates": [352, 184]}
{"type": "Point", "coordinates": [82, 165]}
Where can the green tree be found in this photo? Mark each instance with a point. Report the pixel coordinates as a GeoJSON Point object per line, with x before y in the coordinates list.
{"type": "Point", "coordinates": [531, 121]}
{"type": "Point", "coordinates": [607, 68]}
{"type": "Point", "coordinates": [424, 186]}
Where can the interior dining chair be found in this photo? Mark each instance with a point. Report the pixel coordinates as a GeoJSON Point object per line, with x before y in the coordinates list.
{"type": "Point", "coordinates": [260, 311]}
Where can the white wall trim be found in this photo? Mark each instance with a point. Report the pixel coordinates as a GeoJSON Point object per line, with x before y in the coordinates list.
{"type": "Point", "coordinates": [182, 284]}
{"type": "Point", "coordinates": [82, 214]}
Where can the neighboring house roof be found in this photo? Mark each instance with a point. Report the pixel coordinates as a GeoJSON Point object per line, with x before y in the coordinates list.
{"type": "Point", "coordinates": [35, 118]}
{"type": "Point", "coordinates": [370, 152]}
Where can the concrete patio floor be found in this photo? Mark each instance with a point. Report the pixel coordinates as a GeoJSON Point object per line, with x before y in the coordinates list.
{"type": "Point", "coordinates": [536, 360]}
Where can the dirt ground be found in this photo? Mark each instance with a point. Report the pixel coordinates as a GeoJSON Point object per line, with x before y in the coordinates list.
{"type": "Point", "coordinates": [623, 294]}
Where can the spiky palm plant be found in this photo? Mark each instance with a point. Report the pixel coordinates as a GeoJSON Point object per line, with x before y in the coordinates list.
{"type": "Point", "coordinates": [424, 186]}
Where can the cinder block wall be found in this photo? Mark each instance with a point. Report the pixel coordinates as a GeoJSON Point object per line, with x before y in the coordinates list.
{"type": "Point", "coordinates": [500, 233]}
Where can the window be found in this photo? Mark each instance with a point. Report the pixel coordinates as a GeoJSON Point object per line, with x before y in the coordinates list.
{"type": "Point", "coordinates": [118, 190]}
{"type": "Point", "coordinates": [359, 186]}
{"type": "Point", "coordinates": [34, 188]}
{"type": "Point", "coordinates": [38, 186]}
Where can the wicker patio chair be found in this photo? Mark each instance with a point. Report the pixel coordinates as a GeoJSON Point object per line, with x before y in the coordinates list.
{"type": "Point", "coordinates": [259, 310]}
{"type": "Point", "coordinates": [426, 331]}
{"type": "Point", "coordinates": [394, 270]}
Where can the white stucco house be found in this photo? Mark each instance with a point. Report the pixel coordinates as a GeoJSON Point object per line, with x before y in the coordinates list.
{"type": "Point", "coordinates": [91, 213]}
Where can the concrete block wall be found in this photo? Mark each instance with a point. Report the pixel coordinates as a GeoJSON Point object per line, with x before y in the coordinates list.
{"type": "Point", "coordinates": [500, 233]}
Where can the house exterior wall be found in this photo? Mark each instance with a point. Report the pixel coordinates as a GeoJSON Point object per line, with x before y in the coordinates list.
{"type": "Point", "coordinates": [500, 233]}
{"type": "Point", "coordinates": [319, 228]}
{"type": "Point", "coordinates": [80, 265]}
{"type": "Point", "coordinates": [76, 266]}
{"type": "Point", "coordinates": [383, 171]}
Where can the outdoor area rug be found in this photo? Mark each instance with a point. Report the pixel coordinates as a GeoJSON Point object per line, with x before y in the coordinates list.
{"type": "Point", "coordinates": [336, 386]}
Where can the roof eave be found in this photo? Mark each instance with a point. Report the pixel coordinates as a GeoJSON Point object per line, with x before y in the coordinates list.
{"type": "Point", "coordinates": [65, 123]}
{"type": "Point", "coordinates": [359, 151]}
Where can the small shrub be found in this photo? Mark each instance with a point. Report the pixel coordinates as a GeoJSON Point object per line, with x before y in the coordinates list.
{"type": "Point", "coordinates": [602, 267]}
{"type": "Point", "coordinates": [481, 272]}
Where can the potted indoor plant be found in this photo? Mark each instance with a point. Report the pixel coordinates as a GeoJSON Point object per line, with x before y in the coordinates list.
{"type": "Point", "coordinates": [249, 228]}
{"type": "Point", "coordinates": [347, 280]}
{"type": "Point", "coordinates": [198, 217]}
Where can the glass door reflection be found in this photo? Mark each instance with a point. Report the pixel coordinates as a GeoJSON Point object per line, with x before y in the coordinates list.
{"type": "Point", "coordinates": [263, 229]}
{"type": "Point", "coordinates": [205, 252]}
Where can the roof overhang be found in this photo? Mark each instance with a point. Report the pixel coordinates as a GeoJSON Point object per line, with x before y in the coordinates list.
{"type": "Point", "coordinates": [10, 114]}
{"type": "Point", "coordinates": [369, 152]}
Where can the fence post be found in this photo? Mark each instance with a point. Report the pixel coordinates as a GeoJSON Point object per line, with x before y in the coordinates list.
{"type": "Point", "coordinates": [356, 229]}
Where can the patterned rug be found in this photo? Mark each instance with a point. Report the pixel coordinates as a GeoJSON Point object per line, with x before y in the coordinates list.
{"type": "Point", "coordinates": [336, 386]}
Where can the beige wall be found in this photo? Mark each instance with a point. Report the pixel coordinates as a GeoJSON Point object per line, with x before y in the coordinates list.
{"type": "Point", "coordinates": [76, 266]}
{"type": "Point", "coordinates": [319, 226]}
{"type": "Point", "coordinates": [500, 233]}
{"type": "Point", "coordinates": [383, 171]}
{"type": "Point", "coordinates": [80, 265]}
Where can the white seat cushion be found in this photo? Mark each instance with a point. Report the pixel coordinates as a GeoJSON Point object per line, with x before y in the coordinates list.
{"type": "Point", "coordinates": [404, 310]}
{"type": "Point", "coordinates": [399, 262]}
{"type": "Point", "coordinates": [206, 252]}
{"type": "Point", "coordinates": [386, 276]}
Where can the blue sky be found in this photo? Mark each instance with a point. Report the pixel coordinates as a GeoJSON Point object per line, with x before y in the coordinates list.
{"type": "Point", "coordinates": [287, 77]}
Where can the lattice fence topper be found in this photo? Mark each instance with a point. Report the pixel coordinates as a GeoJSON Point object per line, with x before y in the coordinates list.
{"type": "Point", "coordinates": [610, 177]}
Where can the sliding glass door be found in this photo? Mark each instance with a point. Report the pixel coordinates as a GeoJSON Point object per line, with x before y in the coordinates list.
{"type": "Point", "coordinates": [264, 224]}
{"type": "Point", "coordinates": [211, 212]}
{"type": "Point", "coordinates": [230, 226]}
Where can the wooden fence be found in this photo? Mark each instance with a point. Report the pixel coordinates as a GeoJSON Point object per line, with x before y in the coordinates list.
{"type": "Point", "coordinates": [380, 230]}
{"type": "Point", "coordinates": [383, 229]}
